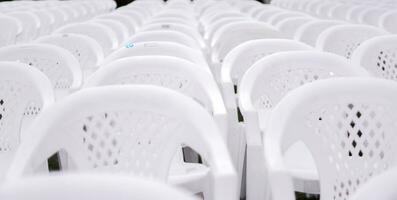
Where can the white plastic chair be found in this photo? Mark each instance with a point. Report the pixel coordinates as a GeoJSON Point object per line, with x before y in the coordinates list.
{"type": "Point", "coordinates": [9, 35]}
{"type": "Point", "coordinates": [241, 58]}
{"type": "Point", "coordinates": [101, 33]}
{"type": "Point", "coordinates": [354, 13]}
{"type": "Point", "coordinates": [265, 15]}
{"type": "Point", "coordinates": [125, 20]}
{"type": "Point", "coordinates": [132, 129]}
{"type": "Point", "coordinates": [344, 39]}
{"type": "Point", "coordinates": [166, 71]}
{"type": "Point", "coordinates": [234, 34]}
{"type": "Point", "coordinates": [60, 66]}
{"type": "Point", "coordinates": [134, 15]}
{"type": "Point", "coordinates": [309, 32]}
{"type": "Point", "coordinates": [176, 27]}
{"type": "Point", "coordinates": [387, 21]}
{"type": "Point", "coordinates": [371, 15]}
{"type": "Point", "coordinates": [158, 48]}
{"type": "Point", "coordinates": [213, 28]}
{"type": "Point", "coordinates": [59, 17]}
{"type": "Point", "coordinates": [379, 56]}
{"type": "Point", "coordinates": [347, 125]}
{"type": "Point", "coordinates": [120, 30]}
{"type": "Point", "coordinates": [85, 49]}
{"type": "Point", "coordinates": [278, 17]}
{"type": "Point", "coordinates": [262, 87]}
{"type": "Point", "coordinates": [236, 63]}
{"type": "Point", "coordinates": [30, 25]}
{"type": "Point", "coordinates": [24, 93]}
{"type": "Point", "coordinates": [379, 187]}
{"type": "Point", "coordinates": [324, 10]}
{"type": "Point", "coordinates": [290, 25]}
{"type": "Point", "coordinates": [46, 20]}
{"type": "Point", "coordinates": [176, 20]}
{"type": "Point", "coordinates": [207, 21]}
{"type": "Point", "coordinates": [164, 36]}
{"type": "Point", "coordinates": [339, 11]}
{"type": "Point", "coordinates": [89, 186]}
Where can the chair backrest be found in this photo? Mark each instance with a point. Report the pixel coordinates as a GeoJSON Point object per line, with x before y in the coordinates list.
{"type": "Point", "coordinates": [344, 39]}
{"type": "Point", "coordinates": [45, 19]}
{"type": "Point", "coordinates": [129, 24]}
{"type": "Point", "coordinates": [174, 20]}
{"type": "Point", "coordinates": [89, 186]}
{"type": "Point", "coordinates": [387, 21]}
{"type": "Point", "coordinates": [213, 28]}
{"type": "Point", "coordinates": [120, 30]}
{"type": "Point", "coordinates": [309, 32]}
{"type": "Point", "coordinates": [324, 10]}
{"type": "Point", "coordinates": [348, 125]}
{"type": "Point", "coordinates": [133, 14]}
{"type": "Point", "coordinates": [176, 27]}
{"type": "Point", "coordinates": [371, 15]}
{"type": "Point", "coordinates": [99, 32]}
{"type": "Point", "coordinates": [379, 187]}
{"type": "Point", "coordinates": [379, 56]}
{"type": "Point", "coordinates": [266, 14]}
{"type": "Point", "coordinates": [354, 13]}
{"type": "Point", "coordinates": [85, 49]}
{"type": "Point", "coordinates": [9, 35]}
{"type": "Point", "coordinates": [278, 17]}
{"type": "Point", "coordinates": [60, 66]}
{"type": "Point", "coordinates": [166, 36]}
{"type": "Point", "coordinates": [218, 16]}
{"type": "Point", "coordinates": [24, 93]}
{"type": "Point", "coordinates": [241, 58]}
{"type": "Point", "coordinates": [234, 34]}
{"type": "Point", "coordinates": [270, 79]}
{"type": "Point", "coordinates": [339, 12]}
{"type": "Point", "coordinates": [158, 48]}
{"type": "Point", "coordinates": [132, 129]}
{"type": "Point", "coordinates": [289, 26]}
{"type": "Point", "coordinates": [170, 72]}
{"type": "Point", "coordinates": [30, 23]}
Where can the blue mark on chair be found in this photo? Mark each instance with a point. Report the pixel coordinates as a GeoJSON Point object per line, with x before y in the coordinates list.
{"type": "Point", "coordinates": [129, 45]}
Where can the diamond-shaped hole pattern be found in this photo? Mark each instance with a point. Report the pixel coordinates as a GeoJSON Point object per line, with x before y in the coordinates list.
{"type": "Point", "coordinates": [126, 141]}
{"type": "Point", "coordinates": [10, 99]}
{"type": "Point", "coordinates": [32, 110]}
{"type": "Point", "coordinates": [277, 85]}
{"type": "Point", "coordinates": [165, 80]}
{"type": "Point", "coordinates": [359, 138]}
{"type": "Point", "coordinates": [387, 64]}
{"type": "Point", "coordinates": [349, 49]}
{"type": "Point", "coordinates": [52, 68]}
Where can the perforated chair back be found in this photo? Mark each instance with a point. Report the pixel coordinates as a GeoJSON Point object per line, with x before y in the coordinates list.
{"type": "Point", "coordinates": [24, 93]}
{"type": "Point", "coordinates": [101, 33]}
{"type": "Point", "coordinates": [345, 123]}
{"type": "Point", "coordinates": [60, 66]}
{"type": "Point", "coordinates": [131, 129]}
{"type": "Point", "coordinates": [378, 56]}
{"type": "Point", "coordinates": [85, 49]}
{"type": "Point", "coordinates": [344, 39]}
{"type": "Point", "coordinates": [309, 32]}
